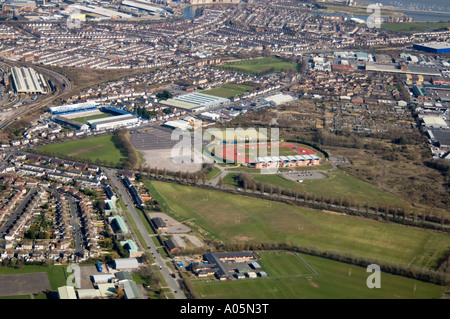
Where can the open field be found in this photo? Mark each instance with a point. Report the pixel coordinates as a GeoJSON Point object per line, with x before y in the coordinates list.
{"type": "Point", "coordinates": [415, 26]}
{"type": "Point", "coordinates": [234, 218]}
{"type": "Point", "coordinates": [85, 119]}
{"type": "Point", "coordinates": [101, 148]}
{"type": "Point", "coordinates": [338, 184]}
{"type": "Point", "coordinates": [260, 66]}
{"type": "Point", "coordinates": [334, 280]}
{"type": "Point", "coordinates": [229, 90]}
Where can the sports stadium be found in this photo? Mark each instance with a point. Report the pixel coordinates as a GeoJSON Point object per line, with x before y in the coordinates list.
{"type": "Point", "coordinates": [287, 155]}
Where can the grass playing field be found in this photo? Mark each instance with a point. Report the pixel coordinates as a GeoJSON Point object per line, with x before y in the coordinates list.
{"type": "Point", "coordinates": [415, 26]}
{"type": "Point", "coordinates": [229, 90]}
{"type": "Point", "coordinates": [102, 148]}
{"type": "Point", "coordinates": [337, 185]}
{"type": "Point", "coordinates": [261, 66]}
{"type": "Point", "coordinates": [235, 218]}
{"type": "Point", "coordinates": [85, 119]}
{"type": "Point", "coordinates": [288, 278]}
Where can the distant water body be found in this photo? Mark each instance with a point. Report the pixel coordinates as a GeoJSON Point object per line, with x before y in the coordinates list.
{"type": "Point", "coordinates": [418, 16]}
{"type": "Point", "coordinates": [419, 9]}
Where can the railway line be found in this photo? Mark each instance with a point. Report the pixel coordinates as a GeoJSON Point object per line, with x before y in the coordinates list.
{"type": "Point", "coordinates": [62, 86]}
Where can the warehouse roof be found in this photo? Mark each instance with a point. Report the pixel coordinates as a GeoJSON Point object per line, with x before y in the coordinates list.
{"type": "Point", "coordinates": [126, 263]}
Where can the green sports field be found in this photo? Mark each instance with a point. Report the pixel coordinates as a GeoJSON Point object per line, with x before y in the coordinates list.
{"type": "Point", "coordinates": [337, 185]}
{"type": "Point", "coordinates": [234, 218]}
{"type": "Point", "coordinates": [102, 148]}
{"type": "Point", "coordinates": [260, 66]}
{"type": "Point", "coordinates": [415, 26]}
{"type": "Point", "coordinates": [85, 119]}
{"type": "Point", "coordinates": [229, 90]}
{"type": "Point", "coordinates": [288, 278]}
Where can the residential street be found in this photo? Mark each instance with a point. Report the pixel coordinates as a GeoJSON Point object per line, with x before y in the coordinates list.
{"type": "Point", "coordinates": [149, 245]}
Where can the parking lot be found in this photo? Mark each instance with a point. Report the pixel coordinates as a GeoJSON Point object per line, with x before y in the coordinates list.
{"type": "Point", "coordinates": [24, 284]}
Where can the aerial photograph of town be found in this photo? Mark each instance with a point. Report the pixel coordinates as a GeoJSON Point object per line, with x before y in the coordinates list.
{"type": "Point", "coordinates": [194, 151]}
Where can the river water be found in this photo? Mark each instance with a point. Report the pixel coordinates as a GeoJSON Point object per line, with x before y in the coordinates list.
{"type": "Point", "coordinates": [440, 8]}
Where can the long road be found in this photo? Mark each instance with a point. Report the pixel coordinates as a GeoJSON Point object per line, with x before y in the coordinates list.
{"type": "Point", "coordinates": [148, 245]}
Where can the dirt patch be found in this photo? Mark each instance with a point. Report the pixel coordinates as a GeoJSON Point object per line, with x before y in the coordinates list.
{"type": "Point", "coordinates": [314, 284]}
{"type": "Point", "coordinates": [162, 159]}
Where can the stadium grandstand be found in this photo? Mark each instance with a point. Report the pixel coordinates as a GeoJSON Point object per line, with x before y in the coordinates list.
{"type": "Point", "coordinates": [27, 80]}
{"type": "Point", "coordinates": [113, 122]}
{"type": "Point", "coordinates": [73, 108]}
{"type": "Point", "coordinates": [285, 161]}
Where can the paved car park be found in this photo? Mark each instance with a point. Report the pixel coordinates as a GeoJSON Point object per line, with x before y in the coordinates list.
{"type": "Point", "coordinates": [24, 284]}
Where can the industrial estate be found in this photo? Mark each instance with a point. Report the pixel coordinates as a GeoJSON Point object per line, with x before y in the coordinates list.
{"type": "Point", "coordinates": [222, 150]}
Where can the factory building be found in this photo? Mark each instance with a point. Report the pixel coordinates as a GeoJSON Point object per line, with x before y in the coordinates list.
{"type": "Point", "coordinates": [434, 47]}
{"type": "Point", "coordinates": [18, 5]}
{"type": "Point", "coordinates": [113, 122]}
{"type": "Point", "coordinates": [142, 6]}
{"type": "Point", "coordinates": [279, 99]}
{"type": "Point", "coordinates": [27, 80]}
{"type": "Point", "coordinates": [195, 102]}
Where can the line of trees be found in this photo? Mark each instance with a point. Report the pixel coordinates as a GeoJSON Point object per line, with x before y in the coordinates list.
{"type": "Point", "coordinates": [121, 137]}
{"type": "Point", "coordinates": [427, 219]}
{"type": "Point", "coordinates": [439, 277]}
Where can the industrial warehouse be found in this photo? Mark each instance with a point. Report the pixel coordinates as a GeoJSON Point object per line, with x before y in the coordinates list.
{"type": "Point", "coordinates": [434, 47]}
{"type": "Point", "coordinates": [195, 102]}
{"type": "Point", "coordinates": [27, 80]}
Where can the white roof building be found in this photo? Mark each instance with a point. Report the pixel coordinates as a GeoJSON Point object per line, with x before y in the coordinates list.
{"type": "Point", "coordinates": [126, 263]}
{"type": "Point", "coordinates": [278, 99]}
{"type": "Point", "coordinates": [434, 121]}
{"type": "Point", "coordinates": [67, 292]}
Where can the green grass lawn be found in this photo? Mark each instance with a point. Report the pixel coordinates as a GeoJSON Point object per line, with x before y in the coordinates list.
{"type": "Point", "coordinates": [229, 90]}
{"type": "Point", "coordinates": [415, 26]}
{"type": "Point", "coordinates": [214, 173]}
{"type": "Point", "coordinates": [260, 66]}
{"type": "Point", "coordinates": [102, 148]}
{"type": "Point", "coordinates": [334, 281]}
{"type": "Point", "coordinates": [85, 119]}
{"type": "Point", "coordinates": [337, 185]}
{"type": "Point", "coordinates": [235, 218]}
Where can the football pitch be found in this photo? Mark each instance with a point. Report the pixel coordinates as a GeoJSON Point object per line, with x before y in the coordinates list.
{"type": "Point", "coordinates": [290, 277]}
{"type": "Point", "coordinates": [102, 148]}
{"type": "Point", "coordinates": [261, 66]}
{"type": "Point", "coordinates": [234, 218]}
